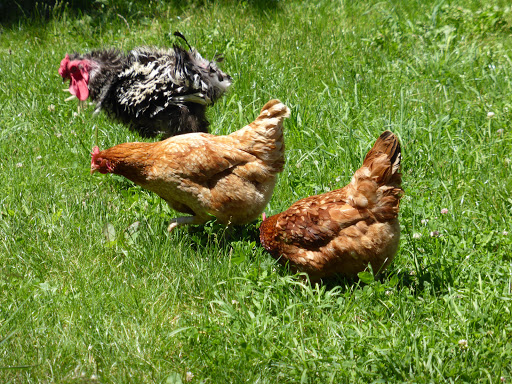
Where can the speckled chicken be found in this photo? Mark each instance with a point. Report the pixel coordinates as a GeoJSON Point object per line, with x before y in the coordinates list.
{"type": "Point", "coordinates": [153, 91]}
{"type": "Point", "coordinates": [343, 231]}
{"type": "Point", "coordinates": [230, 177]}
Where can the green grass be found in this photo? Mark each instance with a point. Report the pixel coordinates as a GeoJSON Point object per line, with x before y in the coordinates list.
{"type": "Point", "coordinates": [94, 290]}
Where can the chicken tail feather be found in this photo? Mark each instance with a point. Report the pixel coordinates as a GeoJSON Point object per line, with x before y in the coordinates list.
{"type": "Point", "coordinates": [379, 172]}
{"type": "Point", "coordinates": [180, 35]}
{"type": "Point", "coordinates": [383, 160]}
{"type": "Point", "coordinates": [273, 109]}
{"type": "Point", "coordinates": [264, 136]}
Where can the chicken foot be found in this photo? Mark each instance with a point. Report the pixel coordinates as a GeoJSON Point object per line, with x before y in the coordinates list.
{"type": "Point", "coordinates": [184, 220]}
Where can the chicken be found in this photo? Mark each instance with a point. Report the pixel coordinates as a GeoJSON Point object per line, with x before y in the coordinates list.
{"type": "Point", "coordinates": [230, 177]}
{"type": "Point", "coordinates": [343, 231]}
{"type": "Point", "coordinates": [153, 91]}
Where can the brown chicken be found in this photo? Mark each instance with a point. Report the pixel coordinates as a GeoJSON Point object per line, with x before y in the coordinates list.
{"type": "Point", "coordinates": [342, 231]}
{"type": "Point", "coordinates": [230, 177]}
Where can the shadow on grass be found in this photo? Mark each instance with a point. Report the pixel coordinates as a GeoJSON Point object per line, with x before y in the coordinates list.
{"type": "Point", "coordinates": [437, 277]}
{"type": "Point", "coordinates": [223, 236]}
{"type": "Point", "coordinates": [432, 279]}
{"type": "Point", "coordinates": [44, 10]}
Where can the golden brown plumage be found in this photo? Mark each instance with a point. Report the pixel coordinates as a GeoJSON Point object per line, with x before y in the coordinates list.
{"type": "Point", "coordinates": [342, 231]}
{"type": "Point", "coordinates": [230, 177]}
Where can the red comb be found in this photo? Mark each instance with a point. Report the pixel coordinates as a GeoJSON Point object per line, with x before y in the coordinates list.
{"type": "Point", "coordinates": [94, 154]}
{"type": "Point", "coordinates": [63, 70]}
{"type": "Point", "coordinates": [95, 151]}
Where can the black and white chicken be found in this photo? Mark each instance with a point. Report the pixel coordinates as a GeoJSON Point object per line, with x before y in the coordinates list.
{"type": "Point", "coordinates": [154, 91]}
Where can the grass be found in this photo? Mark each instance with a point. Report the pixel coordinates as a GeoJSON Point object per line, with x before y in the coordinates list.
{"type": "Point", "coordinates": [94, 290]}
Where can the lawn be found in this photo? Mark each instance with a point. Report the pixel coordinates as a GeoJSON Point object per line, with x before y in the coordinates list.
{"type": "Point", "coordinates": [94, 290]}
